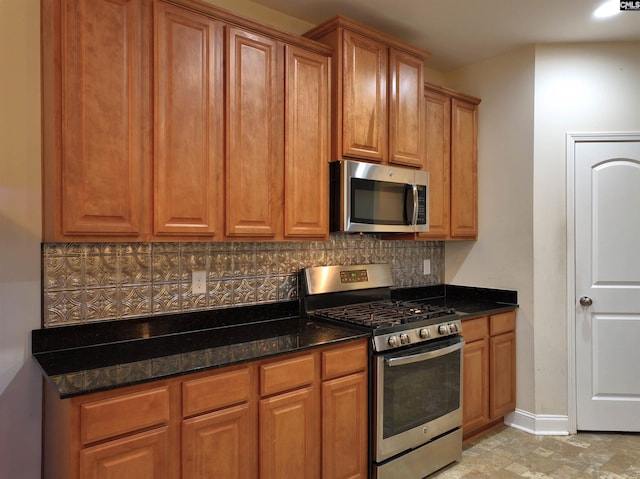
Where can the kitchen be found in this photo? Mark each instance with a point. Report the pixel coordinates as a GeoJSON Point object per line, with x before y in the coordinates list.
{"type": "Point", "coordinates": [521, 245]}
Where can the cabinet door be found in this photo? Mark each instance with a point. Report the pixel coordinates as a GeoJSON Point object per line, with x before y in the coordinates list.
{"type": "Point", "coordinates": [344, 427]}
{"type": "Point", "coordinates": [143, 456]}
{"type": "Point", "coordinates": [94, 161]}
{"type": "Point", "coordinates": [306, 168]}
{"type": "Point", "coordinates": [219, 445]}
{"type": "Point", "coordinates": [475, 385]}
{"type": "Point", "coordinates": [290, 435]}
{"type": "Point", "coordinates": [503, 374]}
{"type": "Point", "coordinates": [406, 119]}
{"type": "Point", "coordinates": [364, 102]}
{"type": "Point", "coordinates": [464, 170]}
{"type": "Point", "coordinates": [437, 114]}
{"type": "Point", "coordinates": [253, 169]}
{"type": "Point", "coordinates": [189, 123]}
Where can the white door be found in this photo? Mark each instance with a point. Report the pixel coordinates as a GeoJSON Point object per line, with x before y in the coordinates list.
{"type": "Point", "coordinates": [607, 284]}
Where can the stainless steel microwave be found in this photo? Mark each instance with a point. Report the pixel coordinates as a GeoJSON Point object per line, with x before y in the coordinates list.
{"type": "Point", "coordinates": [370, 198]}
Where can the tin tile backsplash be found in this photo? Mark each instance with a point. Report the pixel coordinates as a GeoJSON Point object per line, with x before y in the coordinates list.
{"type": "Point", "coordinates": [85, 282]}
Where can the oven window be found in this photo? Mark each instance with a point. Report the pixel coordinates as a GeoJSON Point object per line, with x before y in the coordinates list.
{"type": "Point", "coordinates": [419, 392]}
{"type": "Point", "coordinates": [378, 202]}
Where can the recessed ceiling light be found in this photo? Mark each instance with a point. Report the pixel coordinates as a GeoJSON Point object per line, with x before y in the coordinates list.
{"type": "Point", "coordinates": [607, 9]}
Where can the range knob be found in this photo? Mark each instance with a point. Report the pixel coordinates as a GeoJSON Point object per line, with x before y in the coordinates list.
{"type": "Point", "coordinates": [424, 333]}
{"type": "Point", "coordinates": [404, 339]}
{"type": "Point", "coordinates": [444, 329]}
{"type": "Point", "coordinates": [453, 327]}
{"type": "Point", "coordinates": [393, 341]}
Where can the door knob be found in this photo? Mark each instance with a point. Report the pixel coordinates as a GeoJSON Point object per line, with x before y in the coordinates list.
{"type": "Point", "coordinates": [586, 301]}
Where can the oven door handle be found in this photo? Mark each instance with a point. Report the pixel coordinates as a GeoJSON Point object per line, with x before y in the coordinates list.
{"type": "Point", "coordinates": [423, 356]}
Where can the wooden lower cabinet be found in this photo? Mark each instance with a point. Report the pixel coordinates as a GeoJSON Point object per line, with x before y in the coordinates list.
{"type": "Point", "coordinates": [503, 372]}
{"type": "Point", "coordinates": [141, 456]}
{"type": "Point", "coordinates": [289, 435]}
{"type": "Point", "coordinates": [296, 415]}
{"type": "Point", "coordinates": [489, 381]}
{"type": "Point", "coordinates": [218, 444]}
{"type": "Point", "coordinates": [344, 427]}
{"type": "Point", "coordinates": [475, 385]}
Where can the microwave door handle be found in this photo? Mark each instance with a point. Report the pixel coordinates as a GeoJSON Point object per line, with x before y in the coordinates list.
{"type": "Point", "coordinates": [414, 218]}
{"type": "Point", "coordinates": [423, 356]}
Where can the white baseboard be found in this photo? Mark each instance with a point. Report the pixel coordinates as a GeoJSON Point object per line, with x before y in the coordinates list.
{"type": "Point", "coordinates": [540, 424]}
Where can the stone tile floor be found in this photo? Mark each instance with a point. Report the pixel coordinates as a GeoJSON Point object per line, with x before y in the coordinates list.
{"type": "Point", "coordinates": [506, 452]}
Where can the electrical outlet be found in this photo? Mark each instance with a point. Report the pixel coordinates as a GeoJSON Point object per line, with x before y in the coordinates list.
{"type": "Point", "coordinates": [426, 266]}
{"type": "Point", "coordinates": [199, 282]}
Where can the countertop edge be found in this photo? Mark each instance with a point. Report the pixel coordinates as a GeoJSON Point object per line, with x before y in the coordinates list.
{"type": "Point", "coordinates": [83, 382]}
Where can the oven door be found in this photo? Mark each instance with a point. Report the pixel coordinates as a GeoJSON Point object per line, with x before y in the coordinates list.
{"type": "Point", "coordinates": [417, 395]}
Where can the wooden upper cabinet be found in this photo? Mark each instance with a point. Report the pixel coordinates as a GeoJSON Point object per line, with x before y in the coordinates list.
{"type": "Point", "coordinates": [406, 119]}
{"type": "Point", "coordinates": [166, 121]}
{"type": "Point", "coordinates": [451, 158]}
{"type": "Point", "coordinates": [253, 169]}
{"type": "Point", "coordinates": [189, 106]}
{"type": "Point", "coordinates": [95, 156]}
{"type": "Point", "coordinates": [464, 169]}
{"type": "Point", "coordinates": [377, 84]}
{"type": "Point", "coordinates": [364, 102]}
{"type": "Point", "coordinates": [437, 113]}
{"type": "Point", "coordinates": [306, 170]}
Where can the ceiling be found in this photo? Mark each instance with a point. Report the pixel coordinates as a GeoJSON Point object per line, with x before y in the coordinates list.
{"type": "Point", "coordinates": [462, 32]}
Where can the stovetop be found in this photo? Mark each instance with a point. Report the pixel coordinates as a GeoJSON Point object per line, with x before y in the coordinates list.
{"type": "Point", "coordinates": [360, 295]}
{"type": "Point", "coordinates": [384, 313]}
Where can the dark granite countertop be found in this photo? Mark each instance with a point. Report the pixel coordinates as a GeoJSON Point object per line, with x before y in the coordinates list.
{"type": "Point", "coordinates": [99, 356]}
{"type": "Point", "coordinates": [468, 301]}
{"type": "Point", "coordinates": [106, 355]}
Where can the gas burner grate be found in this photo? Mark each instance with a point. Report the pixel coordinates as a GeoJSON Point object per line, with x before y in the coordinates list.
{"type": "Point", "coordinates": [379, 314]}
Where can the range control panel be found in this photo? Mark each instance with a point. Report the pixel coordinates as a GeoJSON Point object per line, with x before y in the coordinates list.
{"type": "Point", "coordinates": [354, 276]}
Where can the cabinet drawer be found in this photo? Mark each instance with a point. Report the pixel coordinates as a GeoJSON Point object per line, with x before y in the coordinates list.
{"type": "Point", "coordinates": [122, 414]}
{"type": "Point", "coordinates": [503, 322]}
{"type": "Point", "coordinates": [219, 390]}
{"type": "Point", "coordinates": [474, 329]}
{"type": "Point", "coordinates": [340, 362]}
{"type": "Point", "coordinates": [287, 374]}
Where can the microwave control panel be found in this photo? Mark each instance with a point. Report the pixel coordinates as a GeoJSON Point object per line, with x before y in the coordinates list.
{"type": "Point", "coordinates": [422, 205]}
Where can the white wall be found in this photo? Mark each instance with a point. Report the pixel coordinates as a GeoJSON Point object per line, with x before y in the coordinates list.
{"type": "Point", "coordinates": [20, 219]}
{"type": "Point", "coordinates": [579, 87]}
{"type": "Point", "coordinates": [503, 255]}
{"type": "Point", "coordinates": [530, 99]}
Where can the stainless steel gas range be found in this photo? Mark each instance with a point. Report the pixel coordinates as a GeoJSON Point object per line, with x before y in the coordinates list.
{"type": "Point", "coordinates": [415, 367]}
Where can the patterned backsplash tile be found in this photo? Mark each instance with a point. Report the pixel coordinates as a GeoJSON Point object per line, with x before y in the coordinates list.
{"type": "Point", "coordinates": [85, 282]}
